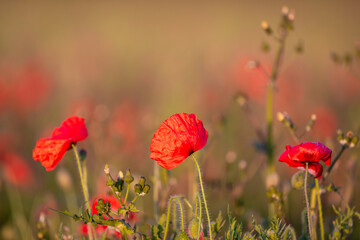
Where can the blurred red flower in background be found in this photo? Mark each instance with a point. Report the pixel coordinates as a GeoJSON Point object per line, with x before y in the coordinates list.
{"type": "Point", "coordinates": [308, 152]}
{"type": "Point", "coordinates": [177, 137]}
{"type": "Point", "coordinates": [15, 169]}
{"type": "Point", "coordinates": [326, 122]}
{"type": "Point", "coordinates": [24, 88]}
{"type": "Point", "coordinates": [49, 151]}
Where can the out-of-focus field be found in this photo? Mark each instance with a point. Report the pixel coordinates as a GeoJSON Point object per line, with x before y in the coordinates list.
{"type": "Point", "coordinates": [126, 67]}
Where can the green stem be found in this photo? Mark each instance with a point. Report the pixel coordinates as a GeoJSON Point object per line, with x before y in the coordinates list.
{"type": "Point", "coordinates": [198, 200]}
{"type": "Point", "coordinates": [17, 211]}
{"type": "Point", "coordinates": [84, 169]}
{"type": "Point", "coordinates": [127, 192]}
{"type": "Point", "coordinates": [321, 221]}
{"type": "Point", "coordinates": [307, 200]}
{"type": "Point", "coordinates": [137, 196]}
{"type": "Point", "coordinates": [269, 123]}
{"type": "Point", "coordinates": [117, 196]}
{"type": "Point", "coordinates": [168, 215]}
{"type": "Point", "coordinates": [313, 211]}
{"type": "Point", "coordinates": [174, 219]}
{"type": "Point", "coordinates": [203, 196]}
{"type": "Point", "coordinates": [85, 190]}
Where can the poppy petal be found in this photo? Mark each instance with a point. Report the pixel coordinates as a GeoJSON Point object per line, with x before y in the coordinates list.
{"type": "Point", "coordinates": [49, 152]}
{"type": "Point", "coordinates": [73, 128]}
{"type": "Point", "coordinates": [177, 137]}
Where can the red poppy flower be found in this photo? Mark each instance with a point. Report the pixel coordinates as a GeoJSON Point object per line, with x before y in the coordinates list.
{"type": "Point", "coordinates": [308, 152]}
{"type": "Point", "coordinates": [49, 151]}
{"type": "Point", "coordinates": [177, 137]}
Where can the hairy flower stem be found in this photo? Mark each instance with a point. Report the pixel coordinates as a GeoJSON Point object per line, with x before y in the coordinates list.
{"type": "Point", "coordinates": [307, 200]}
{"type": "Point", "coordinates": [203, 196]}
{"type": "Point", "coordinates": [168, 215]}
{"type": "Point", "coordinates": [85, 190]}
{"type": "Point", "coordinates": [321, 221]}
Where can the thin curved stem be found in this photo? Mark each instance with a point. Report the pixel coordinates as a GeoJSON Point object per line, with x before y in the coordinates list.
{"type": "Point", "coordinates": [127, 192]}
{"type": "Point", "coordinates": [321, 221]}
{"type": "Point", "coordinates": [84, 188]}
{"type": "Point", "coordinates": [307, 200]}
{"type": "Point", "coordinates": [203, 196]}
{"type": "Point", "coordinates": [168, 215]}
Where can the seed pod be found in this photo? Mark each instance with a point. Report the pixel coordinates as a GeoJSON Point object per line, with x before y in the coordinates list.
{"type": "Point", "coordinates": [194, 228]}
{"type": "Point", "coordinates": [297, 180]}
{"type": "Point", "coordinates": [128, 177]}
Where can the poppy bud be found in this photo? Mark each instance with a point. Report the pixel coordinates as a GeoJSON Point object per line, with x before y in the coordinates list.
{"type": "Point", "coordinates": [354, 141]}
{"type": "Point", "coordinates": [194, 228]}
{"type": "Point", "coordinates": [142, 181]}
{"type": "Point", "coordinates": [240, 99]}
{"type": "Point", "coordinates": [121, 175]}
{"type": "Point", "coordinates": [82, 154]}
{"type": "Point", "coordinates": [119, 185]}
{"type": "Point", "coordinates": [285, 10]}
{"type": "Point", "coordinates": [297, 180]}
{"type": "Point", "coordinates": [310, 123]}
{"type": "Point", "coordinates": [183, 236]}
{"type": "Point", "coordinates": [109, 180]}
{"type": "Point", "coordinates": [265, 26]}
{"type": "Point", "coordinates": [265, 47]}
{"type": "Point", "coordinates": [128, 177]}
{"type": "Point", "coordinates": [138, 188]}
{"type": "Point", "coordinates": [146, 188]}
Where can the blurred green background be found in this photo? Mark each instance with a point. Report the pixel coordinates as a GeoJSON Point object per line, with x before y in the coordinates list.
{"type": "Point", "coordinates": [126, 67]}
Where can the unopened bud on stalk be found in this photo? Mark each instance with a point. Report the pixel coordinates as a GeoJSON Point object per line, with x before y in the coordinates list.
{"type": "Point", "coordinates": [240, 99]}
{"type": "Point", "coordinates": [106, 169]}
{"type": "Point", "coordinates": [266, 27]}
{"type": "Point", "coordinates": [183, 236]}
{"type": "Point", "coordinates": [109, 180]}
{"type": "Point", "coordinates": [291, 15]}
{"type": "Point", "coordinates": [142, 181]}
{"type": "Point", "coordinates": [285, 10]}
{"type": "Point", "coordinates": [64, 179]}
{"type": "Point", "coordinates": [280, 116]}
{"type": "Point", "coordinates": [297, 180]}
{"type": "Point", "coordinates": [137, 188]}
{"type": "Point", "coordinates": [285, 119]}
{"type": "Point", "coordinates": [310, 123]}
{"type": "Point", "coordinates": [82, 154]}
{"type": "Point", "coordinates": [354, 141]}
{"type": "Point", "coordinates": [121, 175]}
{"type": "Point", "coordinates": [194, 228]}
{"type": "Point", "coordinates": [128, 177]}
{"type": "Point", "coordinates": [146, 189]}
